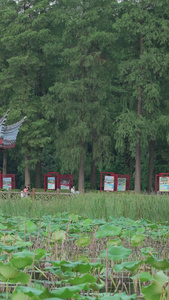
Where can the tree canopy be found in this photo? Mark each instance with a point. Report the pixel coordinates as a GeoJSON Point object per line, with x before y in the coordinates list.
{"type": "Point", "coordinates": [92, 79]}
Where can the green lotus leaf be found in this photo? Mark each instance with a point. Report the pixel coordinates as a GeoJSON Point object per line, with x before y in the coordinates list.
{"type": "Point", "coordinates": [145, 276]}
{"type": "Point", "coordinates": [130, 265]}
{"type": "Point", "coordinates": [8, 249]}
{"type": "Point", "coordinates": [155, 290]}
{"type": "Point", "coordinates": [20, 262]}
{"type": "Point", "coordinates": [19, 296]}
{"type": "Point", "coordinates": [59, 263]}
{"type": "Point", "coordinates": [81, 297]}
{"type": "Point", "coordinates": [23, 244]}
{"type": "Point", "coordinates": [21, 277]}
{"type": "Point", "coordinates": [30, 226]}
{"type": "Point", "coordinates": [58, 235]}
{"type": "Point", "coordinates": [108, 230]}
{"type": "Point", "coordinates": [137, 239]}
{"type": "Point", "coordinates": [8, 271]}
{"type": "Point", "coordinates": [97, 286]}
{"type": "Point", "coordinates": [86, 222]}
{"type": "Point", "coordinates": [11, 273]}
{"type": "Point", "coordinates": [158, 264]}
{"type": "Point", "coordinates": [3, 227]}
{"type": "Point", "coordinates": [39, 253]}
{"type": "Point", "coordinates": [68, 291]}
{"type": "Point", "coordinates": [83, 241]}
{"type": "Point", "coordinates": [54, 298]}
{"type": "Point", "coordinates": [98, 222]}
{"type": "Point", "coordinates": [121, 296]}
{"type": "Point", "coordinates": [3, 257]}
{"type": "Point", "coordinates": [87, 278]}
{"type": "Point", "coordinates": [147, 251]}
{"type": "Point", "coordinates": [140, 230]}
{"type": "Point", "coordinates": [116, 242]}
{"type": "Point", "coordinates": [10, 238]}
{"type": "Point", "coordinates": [117, 253]}
{"type": "Point", "coordinates": [33, 293]}
{"type": "Point", "coordinates": [45, 233]}
{"type": "Point", "coordinates": [128, 234]}
{"type": "Point", "coordinates": [78, 266]}
{"type": "Point", "coordinates": [74, 229]}
{"type": "Point", "coordinates": [22, 259]}
{"type": "Point", "coordinates": [84, 258]}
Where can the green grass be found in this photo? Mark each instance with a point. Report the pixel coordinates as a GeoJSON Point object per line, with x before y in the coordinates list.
{"type": "Point", "coordinates": [93, 205]}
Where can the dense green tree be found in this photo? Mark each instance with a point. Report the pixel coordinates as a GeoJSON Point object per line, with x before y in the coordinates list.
{"type": "Point", "coordinates": [144, 61]}
{"type": "Point", "coordinates": [85, 85]}
{"type": "Point", "coordinates": [82, 94]}
{"type": "Point", "coordinates": [24, 76]}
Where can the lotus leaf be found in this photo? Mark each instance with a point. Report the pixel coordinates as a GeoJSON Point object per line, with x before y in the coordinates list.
{"type": "Point", "coordinates": [69, 291]}
{"type": "Point", "coordinates": [78, 266]}
{"type": "Point", "coordinates": [130, 265]}
{"type": "Point", "coordinates": [33, 293]}
{"type": "Point", "coordinates": [83, 241]}
{"type": "Point", "coordinates": [137, 239]}
{"type": "Point", "coordinates": [87, 278]}
{"type": "Point", "coordinates": [145, 276]}
{"type": "Point", "coordinates": [117, 253]}
{"type": "Point", "coordinates": [147, 251]}
{"type": "Point", "coordinates": [23, 244]}
{"type": "Point", "coordinates": [11, 274]}
{"type": "Point", "coordinates": [9, 249]}
{"type": "Point", "coordinates": [158, 264]}
{"type": "Point", "coordinates": [30, 226]}
{"type": "Point", "coordinates": [121, 296]}
{"type": "Point", "coordinates": [3, 257]}
{"type": "Point", "coordinates": [86, 222]}
{"type": "Point", "coordinates": [21, 261]}
{"type": "Point", "coordinates": [140, 230]}
{"type": "Point", "coordinates": [98, 222]}
{"type": "Point", "coordinates": [59, 235]}
{"type": "Point", "coordinates": [3, 227]}
{"type": "Point", "coordinates": [155, 290]}
{"type": "Point", "coordinates": [108, 230]}
{"type": "Point", "coordinates": [39, 253]}
{"type": "Point", "coordinates": [19, 296]}
{"type": "Point", "coordinates": [97, 286]}
{"type": "Point", "coordinates": [116, 242]}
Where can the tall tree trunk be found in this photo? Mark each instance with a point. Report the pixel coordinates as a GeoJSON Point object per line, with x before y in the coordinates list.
{"type": "Point", "coordinates": [137, 187]}
{"type": "Point", "coordinates": [81, 186]}
{"type": "Point", "coordinates": [38, 175]}
{"type": "Point", "coordinates": [138, 168]}
{"type": "Point", "coordinates": [27, 170]}
{"type": "Point", "coordinates": [93, 172]}
{"type": "Point", "coordinates": [93, 175]}
{"type": "Point", "coordinates": [4, 171]}
{"type": "Point", "coordinates": [150, 166]}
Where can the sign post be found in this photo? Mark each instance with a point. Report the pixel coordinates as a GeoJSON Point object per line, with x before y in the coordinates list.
{"type": "Point", "coordinates": [162, 183]}
{"type": "Point", "coordinates": [8, 181]}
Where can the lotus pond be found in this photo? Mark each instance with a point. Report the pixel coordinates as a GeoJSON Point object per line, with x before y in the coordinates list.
{"type": "Point", "coordinates": [68, 256]}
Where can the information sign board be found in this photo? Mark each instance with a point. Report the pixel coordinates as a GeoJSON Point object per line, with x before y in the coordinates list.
{"type": "Point", "coordinates": [7, 183]}
{"type": "Point", "coordinates": [109, 183]}
{"type": "Point", "coordinates": [164, 184]}
{"type": "Point", "coordinates": [51, 183]}
{"type": "Point", "coordinates": [65, 184]}
{"type": "Point", "coordinates": [121, 184]}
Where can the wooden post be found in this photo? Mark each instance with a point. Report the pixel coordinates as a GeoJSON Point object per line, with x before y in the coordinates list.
{"type": "Point", "coordinates": [9, 192]}
{"type": "Point", "coordinates": [33, 192]}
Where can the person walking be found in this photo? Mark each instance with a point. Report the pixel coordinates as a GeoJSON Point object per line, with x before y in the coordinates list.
{"type": "Point", "coordinates": [25, 191]}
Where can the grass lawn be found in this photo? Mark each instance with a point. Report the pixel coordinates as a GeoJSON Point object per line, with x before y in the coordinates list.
{"type": "Point", "coordinates": [95, 205]}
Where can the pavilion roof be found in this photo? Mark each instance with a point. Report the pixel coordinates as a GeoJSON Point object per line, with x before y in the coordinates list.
{"type": "Point", "coordinates": [8, 134]}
